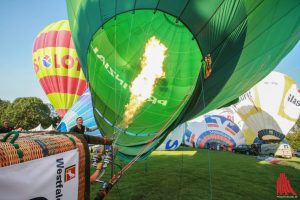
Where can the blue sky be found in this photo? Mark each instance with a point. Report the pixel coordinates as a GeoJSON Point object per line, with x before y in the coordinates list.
{"type": "Point", "coordinates": [21, 21]}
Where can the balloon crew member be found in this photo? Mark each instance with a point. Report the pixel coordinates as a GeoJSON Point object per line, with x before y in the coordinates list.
{"type": "Point", "coordinates": [207, 63]}
{"type": "Point", "coordinates": [6, 128]}
{"type": "Point", "coordinates": [81, 129]}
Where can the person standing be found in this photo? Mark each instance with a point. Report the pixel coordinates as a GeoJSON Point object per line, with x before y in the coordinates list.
{"type": "Point", "coordinates": [6, 128]}
{"type": "Point", "coordinates": [81, 129]}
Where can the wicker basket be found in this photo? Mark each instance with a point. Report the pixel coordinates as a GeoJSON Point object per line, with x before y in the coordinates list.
{"type": "Point", "coordinates": [21, 147]}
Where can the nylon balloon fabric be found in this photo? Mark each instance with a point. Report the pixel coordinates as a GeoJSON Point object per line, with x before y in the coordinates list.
{"type": "Point", "coordinates": [57, 66]}
{"type": "Point", "coordinates": [82, 108]}
{"type": "Point", "coordinates": [154, 64]}
{"type": "Point", "coordinates": [271, 108]}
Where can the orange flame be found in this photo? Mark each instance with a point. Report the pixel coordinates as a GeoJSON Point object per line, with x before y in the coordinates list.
{"type": "Point", "coordinates": [143, 85]}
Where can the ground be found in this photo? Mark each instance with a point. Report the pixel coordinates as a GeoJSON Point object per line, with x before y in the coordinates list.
{"type": "Point", "coordinates": [202, 174]}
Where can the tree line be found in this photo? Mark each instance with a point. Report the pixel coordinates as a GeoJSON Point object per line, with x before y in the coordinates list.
{"type": "Point", "coordinates": [294, 136]}
{"type": "Point", "coordinates": [27, 113]}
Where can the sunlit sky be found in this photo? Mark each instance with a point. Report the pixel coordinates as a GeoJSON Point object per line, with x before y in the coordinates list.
{"type": "Point", "coordinates": [21, 21]}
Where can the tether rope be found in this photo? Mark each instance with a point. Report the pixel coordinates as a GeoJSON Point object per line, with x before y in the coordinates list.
{"type": "Point", "coordinates": [160, 132]}
{"type": "Point", "coordinates": [208, 151]}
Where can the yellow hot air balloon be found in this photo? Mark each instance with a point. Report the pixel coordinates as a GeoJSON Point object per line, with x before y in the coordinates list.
{"type": "Point", "coordinates": [57, 66]}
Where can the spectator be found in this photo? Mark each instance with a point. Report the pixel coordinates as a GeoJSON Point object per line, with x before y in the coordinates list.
{"type": "Point", "coordinates": [81, 129]}
{"type": "Point", "coordinates": [6, 128]}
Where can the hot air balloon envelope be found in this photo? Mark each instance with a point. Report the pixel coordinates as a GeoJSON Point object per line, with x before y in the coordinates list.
{"type": "Point", "coordinates": [57, 66]}
{"type": "Point", "coordinates": [82, 108]}
{"type": "Point", "coordinates": [153, 65]}
{"type": "Point", "coordinates": [271, 108]}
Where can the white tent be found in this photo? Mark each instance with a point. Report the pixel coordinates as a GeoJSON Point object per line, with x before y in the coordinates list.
{"type": "Point", "coordinates": [38, 128]}
{"type": "Point", "coordinates": [50, 128]}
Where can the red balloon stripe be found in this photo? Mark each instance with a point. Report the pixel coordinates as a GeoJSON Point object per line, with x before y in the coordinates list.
{"type": "Point", "coordinates": [216, 137]}
{"type": "Point", "coordinates": [63, 84]}
{"type": "Point", "coordinates": [54, 39]}
{"type": "Point", "coordinates": [61, 112]}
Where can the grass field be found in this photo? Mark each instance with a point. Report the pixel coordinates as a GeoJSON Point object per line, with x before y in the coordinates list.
{"type": "Point", "coordinates": [187, 174]}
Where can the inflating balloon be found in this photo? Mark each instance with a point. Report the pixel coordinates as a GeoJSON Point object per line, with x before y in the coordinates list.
{"type": "Point", "coordinates": [82, 108]}
{"type": "Point", "coordinates": [57, 66]}
{"type": "Point", "coordinates": [215, 129]}
{"type": "Point", "coordinates": [174, 139]}
{"type": "Point", "coordinates": [271, 108]}
{"type": "Point", "coordinates": [153, 65]}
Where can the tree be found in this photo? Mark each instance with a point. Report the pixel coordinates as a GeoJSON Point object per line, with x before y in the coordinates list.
{"type": "Point", "coordinates": [298, 123]}
{"type": "Point", "coordinates": [294, 136]}
{"type": "Point", "coordinates": [3, 106]}
{"type": "Point", "coordinates": [28, 112]}
{"type": "Point", "coordinates": [294, 139]}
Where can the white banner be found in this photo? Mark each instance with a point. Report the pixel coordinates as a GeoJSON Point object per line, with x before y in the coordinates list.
{"type": "Point", "coordinates": [50, 178]}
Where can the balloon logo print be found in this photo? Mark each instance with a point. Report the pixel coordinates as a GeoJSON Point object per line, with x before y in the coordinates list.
{"type": "Point", "coordinates": [47, 61]}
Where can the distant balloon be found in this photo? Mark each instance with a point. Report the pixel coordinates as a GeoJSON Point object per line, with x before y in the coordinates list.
{"type": "Point", "coordinates": [216, 128]}
{"type": "Point", "coordinates": [174, 139]}
{"type": "Point", "coordinates": [248, 133]}
{"type": "Point", "coordinates": [82, 108]}
{"type": "Point", "coordinates": [57, 66]}
{"type": "Point", "coordinates": [258, 141]}
{"type": "Point", "coordinates": [271, 108]}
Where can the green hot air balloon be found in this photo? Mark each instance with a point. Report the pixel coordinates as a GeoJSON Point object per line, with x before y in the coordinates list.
{"type": "Point", "coordinates": [154, 64]}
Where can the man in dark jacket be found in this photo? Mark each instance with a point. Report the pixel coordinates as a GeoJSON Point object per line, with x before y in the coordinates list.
{"type": "Point", "coordinates": [6, 128]}
{"type": "Point", "coordinates": [81, 129]}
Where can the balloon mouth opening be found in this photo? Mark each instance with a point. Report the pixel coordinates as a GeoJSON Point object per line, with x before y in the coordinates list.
{"type": "Point", "coordinates": [118, 49]}
{"type": "Point", "coordinates": [270, 135]}
{"type": "Point", "coordinates": [210, 140]}
{"type": "Point", "coordinates": [270, 138]}
{"type": "Point", "coordinates": [217, 143]}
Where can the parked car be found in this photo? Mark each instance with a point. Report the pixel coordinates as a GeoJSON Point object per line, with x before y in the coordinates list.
{"type": "Point", "coordinates": [243, 148]}
{"type": "Point", "coordinates": [279, 150]}
{"type": "Point", "coordinates": [297, 153]}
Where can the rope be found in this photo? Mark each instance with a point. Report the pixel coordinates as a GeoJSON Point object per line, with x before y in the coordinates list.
{"type": "Point", "coordinates": [183, 10]}
{"type": "Point", "coordinates": [180, 176]}
{"type": "Point", "coordinates": [126, 56]}
{"type": "Point", "coordinates": [161, 131]}
{"type": "Point", "coordinates": [119, 193]}
{"type": "Point", "coordinates": [146, 166]}
{"type": "Point", "coordinates": [117, 176]}
{"type": "Point", "coordinates": [209, 172]}
{"type": "Point", "coordinates": [208, 151]}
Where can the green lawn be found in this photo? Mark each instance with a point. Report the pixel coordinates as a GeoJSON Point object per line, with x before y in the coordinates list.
{"type": "Point", "coordinates": [187, 175]}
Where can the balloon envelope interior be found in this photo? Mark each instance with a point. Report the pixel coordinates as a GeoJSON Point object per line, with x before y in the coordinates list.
{"type": "Point", "coordinates": [244, 39]}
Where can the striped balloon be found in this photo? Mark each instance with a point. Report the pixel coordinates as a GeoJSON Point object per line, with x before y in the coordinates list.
{"type": "Point", "coordinates": [57, 66]}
